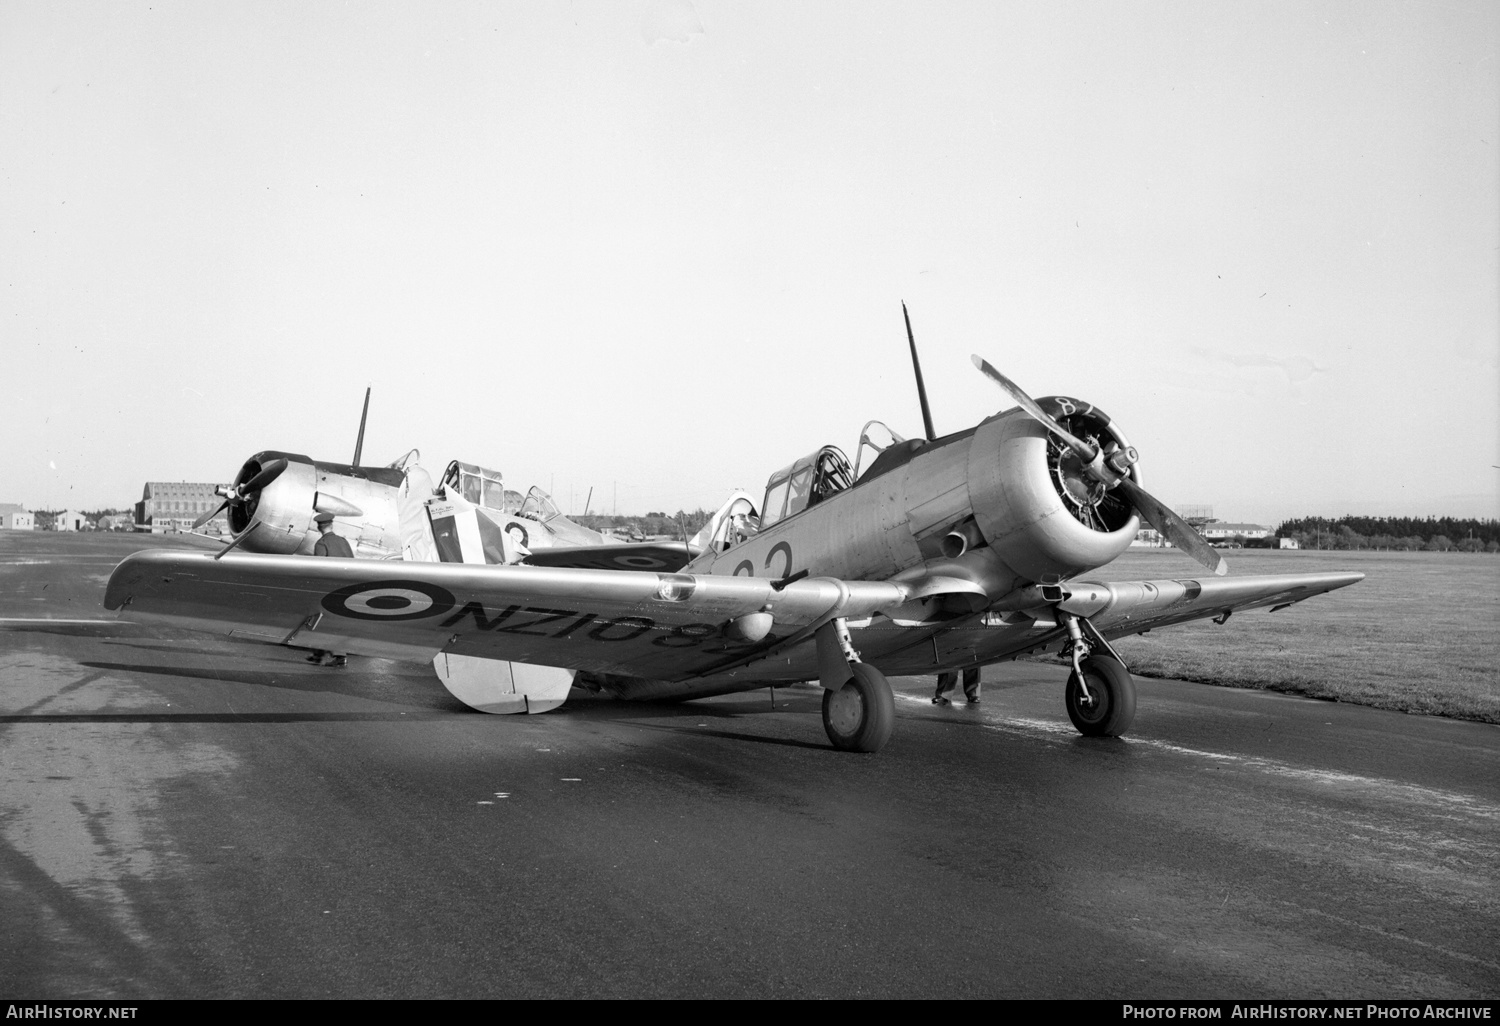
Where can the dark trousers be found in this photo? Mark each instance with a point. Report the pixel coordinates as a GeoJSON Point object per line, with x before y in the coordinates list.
{"type": "Point", "coordinates": [946, 681]}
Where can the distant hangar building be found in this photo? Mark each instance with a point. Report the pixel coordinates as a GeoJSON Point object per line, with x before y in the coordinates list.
{"type": "Point", "coordinates": [16, 518]}
{"type": "Point", "coordinates": [1217, 531]}
{"type": "Point", "coordinates": [173, 506]}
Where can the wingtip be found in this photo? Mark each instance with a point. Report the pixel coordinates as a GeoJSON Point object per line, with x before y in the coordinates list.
{"type": "Point", "coordinates": [1222, 568]}
{"type": "Point", "coordinates": [978, 360]}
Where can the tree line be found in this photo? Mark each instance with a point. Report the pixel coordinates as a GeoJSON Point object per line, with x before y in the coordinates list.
{"type": "Point", "coordinates": [1430, 534]}
{"type": "Point", "coordinates": [674, 524]}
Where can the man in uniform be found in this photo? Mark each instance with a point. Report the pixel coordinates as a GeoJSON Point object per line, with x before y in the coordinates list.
{"type": "Point", "coordinates": [946, 681]}
{"type": "Point", "coordinates": [329, 544]}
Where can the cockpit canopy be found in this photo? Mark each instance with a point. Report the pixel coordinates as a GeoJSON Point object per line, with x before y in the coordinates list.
{"type": "Point", "coordinates": [539, 506]}
{"type": "Point", "coordinates": [805, 483]}
{"type": "Point", "coordinates": [480, 486]}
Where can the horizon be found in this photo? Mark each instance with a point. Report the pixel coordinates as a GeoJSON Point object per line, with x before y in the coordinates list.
{"type": "Point", "coordinates": [1272, 523]}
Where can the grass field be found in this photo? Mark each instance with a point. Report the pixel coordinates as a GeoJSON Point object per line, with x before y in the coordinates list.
{"type": "Point", "coordinates": [1420, 634]}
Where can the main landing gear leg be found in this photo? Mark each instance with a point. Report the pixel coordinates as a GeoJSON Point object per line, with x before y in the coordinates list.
{"type": "Point", "coordinates": [1101, 694]}
{"type": "Point", "coordinates": [858, 707]}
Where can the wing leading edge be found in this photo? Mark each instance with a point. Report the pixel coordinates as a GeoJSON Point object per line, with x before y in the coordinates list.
{"type": "Point", "coordinates": [671, 626]}
{"type": "Point", "coordinates": [1129, 607]}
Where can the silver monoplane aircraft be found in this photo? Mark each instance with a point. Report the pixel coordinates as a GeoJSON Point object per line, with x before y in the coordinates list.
{"type": "Point", "coordinates": [389, 512]}
{"type": "Point", "coordinates": [942, 553]}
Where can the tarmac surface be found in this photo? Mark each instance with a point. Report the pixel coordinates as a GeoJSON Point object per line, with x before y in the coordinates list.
{"type": "Point", "coordinates": [181, 816]}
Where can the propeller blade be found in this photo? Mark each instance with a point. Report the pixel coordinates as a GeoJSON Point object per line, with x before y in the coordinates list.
{"type": "Point", "coordinates": [338, 507]}
{"type": "Point", "coordinates": [1085, 451]}
{"type": "Point", "coordinates": [1172, 527]}
{"type": "Point", "coordinates": [243, 535]}
{"type": "Point", "coordinates": [205, 518]}
{"type": "Point", "coordinates": [270, 472]}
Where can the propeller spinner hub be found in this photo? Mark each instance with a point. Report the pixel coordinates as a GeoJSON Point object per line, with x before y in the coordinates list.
{"type": "Point", "coordinates": [1075, 483]}
{"type": "Point", "coordinates": [1085, 473]}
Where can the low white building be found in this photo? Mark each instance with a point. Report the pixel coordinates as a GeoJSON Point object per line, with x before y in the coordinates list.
{"type": "Point", "coordinates": [16, 518]}
{"type": "Point", "coordinates": [1213, 531]}
{"type": "Point", "coordinates": [70, 520]}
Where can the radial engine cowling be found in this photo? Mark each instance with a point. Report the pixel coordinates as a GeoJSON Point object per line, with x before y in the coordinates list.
{"type": "Point", "coordinates": [281, 512]}
{"type": "Point", "coordinates": [1044, 517]}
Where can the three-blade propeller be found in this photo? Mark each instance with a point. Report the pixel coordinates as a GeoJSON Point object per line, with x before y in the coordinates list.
{"type": "Point", "coordinates": [1115, 473]}
{"type": "Point", "coordinates": [242, 492]}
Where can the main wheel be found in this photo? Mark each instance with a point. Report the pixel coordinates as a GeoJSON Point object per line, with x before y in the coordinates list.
{"type": "Point", "coordinates": [1110, 707]}
{"type": "Point", "coordinates": [859, 716]}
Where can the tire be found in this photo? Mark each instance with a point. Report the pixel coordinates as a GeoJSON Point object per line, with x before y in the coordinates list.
{"type": "Point", "coordinates": [859, 716]}
{"type": "Point", "coordinates": [1113, 692]}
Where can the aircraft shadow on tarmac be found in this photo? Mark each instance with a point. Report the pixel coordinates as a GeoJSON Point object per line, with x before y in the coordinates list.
{"type": "Point", "coordinates": [357, 717]}
{"type": "Point", "coordinates": [72, 630]}
{"type": "Point", "coordinates": [263, 717]}
{"type": "Point", "coordinates": [417, 688]}
{"type": "Point", "coordinates": [405, 689]}
{"type": "Point", "coordinates": [730, 735]}
{"type": "Point", "coordinates": [694, 715]}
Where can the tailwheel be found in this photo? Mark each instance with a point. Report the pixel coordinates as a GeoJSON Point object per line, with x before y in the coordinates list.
{"type": "Point", "coordinates": [859, 716]}
{"type": "Point", "coordinates": [1108, 707]}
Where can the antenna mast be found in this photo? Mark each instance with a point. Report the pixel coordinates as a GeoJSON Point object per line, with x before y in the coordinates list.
{"type": "Point", "coordinates": [916, 365]}
{"type": "Point", "coordinates": [359, 443]}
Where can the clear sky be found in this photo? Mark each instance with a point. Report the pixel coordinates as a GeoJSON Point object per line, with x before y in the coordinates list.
{"type": "Point", "coordinates": [660, 248]}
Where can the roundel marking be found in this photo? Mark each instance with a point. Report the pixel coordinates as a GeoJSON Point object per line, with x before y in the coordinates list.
{"type": "Point", "coordinates": [389, 600]}
{"type": "Point", "coordinates": [783, 547]}
{"type": "Point", "coordinates": [641, 562]}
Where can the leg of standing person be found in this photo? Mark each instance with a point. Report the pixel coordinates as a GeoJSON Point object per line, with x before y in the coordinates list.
{"type": "Point", "coordinates": [945, 683]}
{"type": "Point", "coordinates": [971, 685]}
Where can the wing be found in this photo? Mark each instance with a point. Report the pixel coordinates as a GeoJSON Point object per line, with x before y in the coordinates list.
{"type": "Point", "coordinates": [667, 626]}
{"type": "Point", "coordinates": [1027, 620]}
{"type": "Point", "coordinates": [1130, 607]}
{"type": "Point", "coordinates": [664, 556]}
